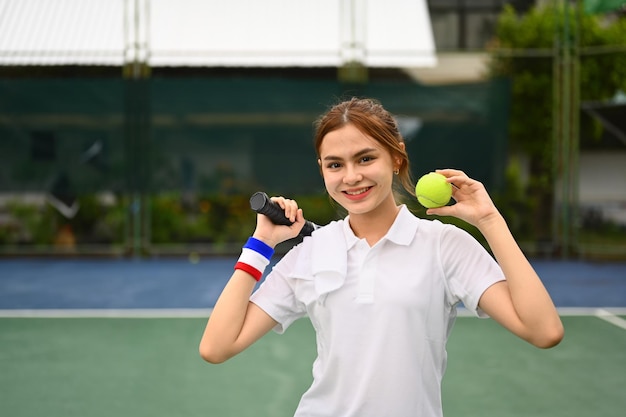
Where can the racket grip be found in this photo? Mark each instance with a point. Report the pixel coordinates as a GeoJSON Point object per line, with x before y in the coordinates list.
{"type": "Point", "coordinates": [261, 203]}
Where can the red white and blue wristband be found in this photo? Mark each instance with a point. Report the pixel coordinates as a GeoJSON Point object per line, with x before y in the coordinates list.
{"type": "Point", "coordinates": [255, 256]}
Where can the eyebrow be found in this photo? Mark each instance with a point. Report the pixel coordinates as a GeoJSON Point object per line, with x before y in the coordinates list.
{"type": "Point", "coordinates": [355, 156]}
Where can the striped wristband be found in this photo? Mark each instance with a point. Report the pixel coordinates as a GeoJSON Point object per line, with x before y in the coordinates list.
{"type": "Point", "coordinates": [255, 256]}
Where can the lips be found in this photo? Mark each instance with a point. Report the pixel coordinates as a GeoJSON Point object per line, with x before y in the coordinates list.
{"type": "Point", "coordinates": [357, 193]}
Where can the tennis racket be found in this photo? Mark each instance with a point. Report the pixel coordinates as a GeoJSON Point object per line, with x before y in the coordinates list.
{"type": "Point", "coordinates": [261, 203]}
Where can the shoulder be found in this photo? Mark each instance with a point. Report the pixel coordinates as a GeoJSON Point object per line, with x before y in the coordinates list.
{"type": "Point", "coordinates": [324, 237]}
{"type": "Point", "coordinates": [434, 228]}
{"type": "Point", "coordinates": [331, 232]}
{"type": "Point", "coordinates": [407, 220]}
{"type": "Point", "coordinates": [437, 237]}
{"type": "Point", "coordinates": [438, 228]}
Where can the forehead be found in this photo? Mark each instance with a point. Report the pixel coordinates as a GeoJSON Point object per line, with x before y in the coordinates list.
{"type": "Point", "coordinates": [346, 141]}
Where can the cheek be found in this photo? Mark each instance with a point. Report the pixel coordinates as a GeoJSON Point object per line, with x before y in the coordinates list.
{"type": "Point", "coordinates": [330, 179]}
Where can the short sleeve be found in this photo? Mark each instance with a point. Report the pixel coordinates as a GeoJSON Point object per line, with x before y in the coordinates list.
{"type": "Point", "coordinates": [276, 294]}
{"type": "Point", "coordinates": [468, 267]}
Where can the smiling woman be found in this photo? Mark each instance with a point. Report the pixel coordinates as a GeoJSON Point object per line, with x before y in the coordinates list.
{"type": "Point", "coordinates": [381, 323]}
{"type": "Point", "coordinates": [357, 171]}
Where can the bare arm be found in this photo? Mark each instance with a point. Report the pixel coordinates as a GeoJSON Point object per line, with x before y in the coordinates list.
{"type": "Point", "coordinates": [235, 322]}
{"type": "Point", "coordinates": [521, 303]}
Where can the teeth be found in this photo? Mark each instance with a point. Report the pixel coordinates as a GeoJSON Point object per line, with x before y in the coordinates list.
{"type": "Point", "coordinates": [361, 191]}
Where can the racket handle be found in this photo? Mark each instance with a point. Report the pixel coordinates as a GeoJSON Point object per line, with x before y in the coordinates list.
{"type": "Point", "coordinates": [261, 203]}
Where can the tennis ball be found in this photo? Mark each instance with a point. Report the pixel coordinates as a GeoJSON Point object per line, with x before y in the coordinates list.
{"type": "Point", "coordinates": [433, 191]}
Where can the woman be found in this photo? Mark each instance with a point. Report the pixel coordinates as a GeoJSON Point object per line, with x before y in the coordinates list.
{"type": "Point", "coordinates": [381, 286]}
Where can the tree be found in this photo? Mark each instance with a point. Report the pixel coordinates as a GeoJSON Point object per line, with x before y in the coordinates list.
{"type": "Point", "coordinates": [524, 49]}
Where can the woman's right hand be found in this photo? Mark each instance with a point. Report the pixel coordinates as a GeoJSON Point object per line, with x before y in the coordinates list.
{"type": "Point", "coordinates": [272, 234]}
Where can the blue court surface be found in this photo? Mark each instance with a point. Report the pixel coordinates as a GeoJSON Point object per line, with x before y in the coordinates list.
{"type": "Point", "coordinates": [51, 284]}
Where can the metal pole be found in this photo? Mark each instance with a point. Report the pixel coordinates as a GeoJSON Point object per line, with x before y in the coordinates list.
{"type": "Point", "coordinates": [575, 149]}
{"type": "Point", "coordinates": [137, 134]}
{"type": "Point", "coordinates": [566, 105]}
{"type": "Point", "coordinates": [566, 108]}
{"type": "Point", "coordinates": [557, 115]}
{"type": "Point", "coordinates": [137, 200]}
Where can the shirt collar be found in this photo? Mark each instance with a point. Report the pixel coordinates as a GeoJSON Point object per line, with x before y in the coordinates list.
{"type": "Point", "coordinates": [403, 229]}
{"type": "Point", "coordinates": [401, 232]}
{"type": "Point", "coordinates": [349, 235]}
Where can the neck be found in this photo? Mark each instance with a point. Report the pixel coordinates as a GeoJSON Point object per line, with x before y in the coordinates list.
{"type": "Point", "coordinates": [372, 226]}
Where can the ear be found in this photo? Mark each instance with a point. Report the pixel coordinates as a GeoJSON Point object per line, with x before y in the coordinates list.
{"type": "Point", "coordinates": [319, 162]}
{"type": "Point", "coordinates": [398, 159]}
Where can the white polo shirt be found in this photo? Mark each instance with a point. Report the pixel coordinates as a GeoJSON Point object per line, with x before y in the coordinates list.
{"type": "Point", "coordinates": [382, 314]}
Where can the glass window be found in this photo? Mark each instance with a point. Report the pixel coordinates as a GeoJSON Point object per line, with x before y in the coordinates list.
{"type": "Point", "coordinates": [467, 25]}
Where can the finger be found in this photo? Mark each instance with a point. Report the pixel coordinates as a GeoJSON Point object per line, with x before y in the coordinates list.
{"type": "Point", "coordinates": [459, 181]}
{"type": "Point", "coordinates": [293, 210]}
{"type": "Point", "coordinates": [453, 176]}
{"type": "Point", "coordinates": [449, 172]}
{"type": "Point", "coordinates": [290, 207]}
{"type": "Point", "coordinates": [299, 219]}
{"type": "Point", "coordinates": [283, 203]}
{"type": "Point", "coordinates": [440, 211]}
{"type": "Point", "coordinates": [279, 200]}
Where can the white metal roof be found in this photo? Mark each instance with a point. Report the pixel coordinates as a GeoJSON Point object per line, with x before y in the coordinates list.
{"type": "Point", "coordinates": [269, 33]}
{"type": "Point", "coordinates": [49, 32]}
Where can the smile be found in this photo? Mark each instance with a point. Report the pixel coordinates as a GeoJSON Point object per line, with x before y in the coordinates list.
{"type": "Point", "coordinates": [358, 192]}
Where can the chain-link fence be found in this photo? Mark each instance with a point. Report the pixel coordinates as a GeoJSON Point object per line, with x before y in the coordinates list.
{"type": "Point", "coordinates": [162, 165]}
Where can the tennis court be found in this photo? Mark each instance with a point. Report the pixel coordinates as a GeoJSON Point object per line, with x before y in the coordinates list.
{"type": "Point", "coordinates": [119, 337]}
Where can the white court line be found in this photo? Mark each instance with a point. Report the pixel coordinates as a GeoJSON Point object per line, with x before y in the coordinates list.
{"type": "Point", "coordinates": [564, 311]}
{"type": "Point", "coordinates": [609, 314]}
{"type": "Point", "coordinates": [153, 313]}
{"type": "Point", "coordinates": [589, 311]}
{"type": "Point", "coordinates": [606, 315]}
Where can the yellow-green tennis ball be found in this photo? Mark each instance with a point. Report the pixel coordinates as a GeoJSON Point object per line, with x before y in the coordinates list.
{"type": "Point", "coordinates": [433, 191]}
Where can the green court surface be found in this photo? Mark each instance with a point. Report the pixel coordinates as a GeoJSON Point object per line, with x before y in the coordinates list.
{"type": "Point", "coordinates": [135, 367]}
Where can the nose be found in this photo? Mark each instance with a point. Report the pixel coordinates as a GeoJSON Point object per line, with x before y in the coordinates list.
{"type": "Point", "coordinates": [352, 176]}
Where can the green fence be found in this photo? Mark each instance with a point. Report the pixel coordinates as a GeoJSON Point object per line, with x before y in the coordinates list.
{"type": "Point", "coordinates": [162, 165]}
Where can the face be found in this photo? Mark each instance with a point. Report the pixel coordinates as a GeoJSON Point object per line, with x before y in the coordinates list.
{"type": "Point", "coordinates": [357, 171]}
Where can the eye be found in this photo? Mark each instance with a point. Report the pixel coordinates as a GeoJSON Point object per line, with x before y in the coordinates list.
{"type": "Point", "coordinates": [366, 159]}
{"type": "Point", "coordinates": [333, 165]}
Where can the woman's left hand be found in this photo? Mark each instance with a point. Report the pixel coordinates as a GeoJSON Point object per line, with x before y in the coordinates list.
{"type": "Point", "coordinates": [473, 203]}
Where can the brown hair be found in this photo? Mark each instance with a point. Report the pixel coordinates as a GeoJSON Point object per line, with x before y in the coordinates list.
{"type": "Point", "coordinates": [371, 118]}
